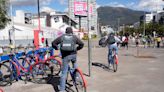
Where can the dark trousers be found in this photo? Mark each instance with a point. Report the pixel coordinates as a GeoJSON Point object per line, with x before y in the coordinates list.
{"type": "Point", "coordinates": [158, 44]}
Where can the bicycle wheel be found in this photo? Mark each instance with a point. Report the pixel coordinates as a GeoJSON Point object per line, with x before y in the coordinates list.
{"type": "Point", "coordinates": [80, 83]}
{"type": "Point", "coordinates": [40, 72]}
{"type": "Point", "coordinates": [115, 64]}
{"type": "Point", "coordinates": [14, 68]}
{"type": "Point", "coordinates": [5, 75]}
{"type": "Point", "coordinates": [55, 65]}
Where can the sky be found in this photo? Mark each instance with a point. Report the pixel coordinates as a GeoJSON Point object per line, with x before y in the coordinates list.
{"type": "Point", "coordinates": [61, 5]}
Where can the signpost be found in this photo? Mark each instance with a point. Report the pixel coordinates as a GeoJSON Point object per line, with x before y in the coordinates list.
{"type": "Point", "coordinates": [89, 42]}
{"type": "Point", "coordinates": [83, 9]}
{"type": "Point", "coordinates": [37, 32]}
{"type": "Point", "coordinates": [80, 10]}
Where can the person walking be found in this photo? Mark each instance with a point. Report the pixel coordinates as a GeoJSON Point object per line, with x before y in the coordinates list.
{"type": "Point", "coordinates": [47, 45]}
{"type": "Point", "coordinates": [126, 41]}
{"type": "Point", "coordinates": [158, 41]}
{"type": "Point", "coordinates": [137, 40]}
{"type": "Point", "coordinates": [69, 45]}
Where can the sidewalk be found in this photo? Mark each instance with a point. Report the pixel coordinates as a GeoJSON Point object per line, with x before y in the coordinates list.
{"type": "Point", "coordinates": [135, 74]}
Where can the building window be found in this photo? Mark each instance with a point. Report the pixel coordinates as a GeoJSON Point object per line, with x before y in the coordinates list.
{"type": "Point", "coordinates": [56, 19]}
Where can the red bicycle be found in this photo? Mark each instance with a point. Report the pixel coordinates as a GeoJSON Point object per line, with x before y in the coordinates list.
{"type": "Point", "coordinates": [114, 61]}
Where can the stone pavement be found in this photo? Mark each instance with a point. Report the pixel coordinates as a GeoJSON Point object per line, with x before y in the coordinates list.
{"type": "Point", "coordinates": [143, 73]}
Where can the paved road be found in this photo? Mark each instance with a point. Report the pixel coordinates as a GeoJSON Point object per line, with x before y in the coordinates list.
{"type": "Point", "coordinates": [135, 74]}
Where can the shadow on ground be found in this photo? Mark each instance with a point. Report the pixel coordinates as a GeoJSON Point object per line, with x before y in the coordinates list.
{"type": "Point", "coordinates": [55, 82]}
{"type": "Point", "coordinates": [103, 66]}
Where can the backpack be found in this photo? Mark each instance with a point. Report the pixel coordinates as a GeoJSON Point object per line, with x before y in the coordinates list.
{"type": "Point", "coordinates": [68, 43]}
{"type": "Point", "coordinates": [126, 40]}
{"type": "Point", "coordinates": [103, 42]}
{"type": "Point", "coordinates": [111, 39]}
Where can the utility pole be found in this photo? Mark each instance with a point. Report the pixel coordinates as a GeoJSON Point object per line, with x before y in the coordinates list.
{"type": "Point", "coordinates": [89, 42]}
{"type": "Point", "coordinates": [12, 31]}
{"type": "Point", "coordinates": [98, 27]}
{"type": "Point", "coordinates": [118, 25]}
{"type": "Point", "coordinates": [144, 20]}
{"type": "Point", "coordinates": [123, 29]}
{"type": "Point", "coordinates": [38, 4]}
{"type": "Point", "coordinates": [144, 24]}
{"type": "Point", "coordinates": [69, 12]}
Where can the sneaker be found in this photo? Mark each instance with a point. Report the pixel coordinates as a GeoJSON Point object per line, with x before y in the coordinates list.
{"type": "Point", "coordinates": [109, 65]}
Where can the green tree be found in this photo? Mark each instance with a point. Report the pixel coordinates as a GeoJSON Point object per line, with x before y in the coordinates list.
{"type": "Point", "coordinates": [149, 28]}
{"type": "Point", "coordinates": [4, 19]}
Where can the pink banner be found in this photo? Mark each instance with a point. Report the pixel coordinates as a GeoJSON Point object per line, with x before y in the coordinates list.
{"type": "Point", "coordinates": [80, 8]}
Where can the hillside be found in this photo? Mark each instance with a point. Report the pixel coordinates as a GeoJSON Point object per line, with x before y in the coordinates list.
{"type": "Point", "coordinates": [110, 15]}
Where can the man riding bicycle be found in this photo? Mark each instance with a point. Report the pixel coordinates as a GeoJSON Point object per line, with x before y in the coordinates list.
{"type": "Point", "coordinates": [69, 45]}
{"type": "Point", "coordinates": [112, 41]}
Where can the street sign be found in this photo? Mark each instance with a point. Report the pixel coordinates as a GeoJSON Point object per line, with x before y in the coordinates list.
{"type": "Point", "coordinates": [80, 8]}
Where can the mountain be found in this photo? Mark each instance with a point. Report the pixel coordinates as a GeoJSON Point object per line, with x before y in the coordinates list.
{"type": "Point", "coordinates": [117, 15]}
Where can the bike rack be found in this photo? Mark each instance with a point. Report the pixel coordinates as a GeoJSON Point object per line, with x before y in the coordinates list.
{"type": "Point", "coordinates": [19, 54]}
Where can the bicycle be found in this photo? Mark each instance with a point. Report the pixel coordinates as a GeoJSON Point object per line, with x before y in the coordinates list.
{"type": "Point", "coordinates": [77, 78]}
{"type": "Point", "coordinates": [19, 72]}
{"type": "Point", "coordinates": [5, 75]}
{"type": "Point", "coordinates": [45, 66]}
{"type": "Point", "coordinates": [114, 60]}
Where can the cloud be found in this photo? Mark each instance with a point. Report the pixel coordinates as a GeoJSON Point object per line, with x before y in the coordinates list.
{"type": "Point", "coordinates": [151, 5]}
{"type": "Point", "coordinates": [97, 5]}
{"type": "Point", "coordinates": [47, 9]}
{"type": "Point", "coordinates": [131, 4]}
{"type": "Point", "coordinates": [116, 4]}
{"type": "Point", "coordinates": [66, 10]}
{"type": "Point", "coordinates": [45, 2]}
{"type": "Point", "coordinates": [63, 2]}
{"type": "Point", "coordinates": [29, 2]}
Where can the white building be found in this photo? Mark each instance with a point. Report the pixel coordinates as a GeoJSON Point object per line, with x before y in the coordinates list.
{"type": "Point", "coordinates": [149, 17]}
{"type": "Point", "coordinates": [152, 17]}
{"type": "Point", "coordinates": [84, 20]}
{"type": "Point", "coordinates": [58, 21]}
{"type": "Point", "coordinates": [52, 25]}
